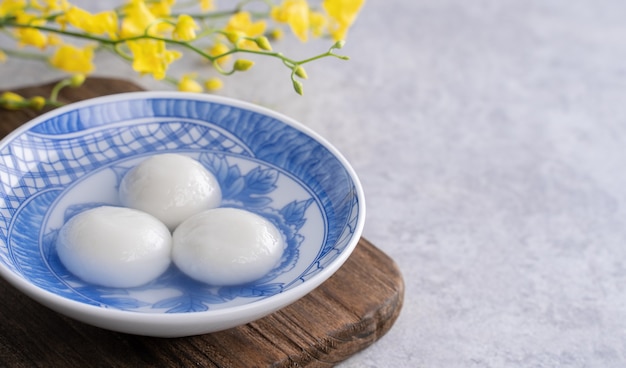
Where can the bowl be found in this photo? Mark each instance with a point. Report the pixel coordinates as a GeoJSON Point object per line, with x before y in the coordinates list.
{"type": "Point", "coordinates": [73, 158]}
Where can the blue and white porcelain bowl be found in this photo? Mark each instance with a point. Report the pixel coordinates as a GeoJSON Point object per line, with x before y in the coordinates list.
{"type": "Point", "coordinates": [73, 158]}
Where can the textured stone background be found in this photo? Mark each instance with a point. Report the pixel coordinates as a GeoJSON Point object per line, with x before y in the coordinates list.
{"type": "Point", "coordinates": [490, 137]}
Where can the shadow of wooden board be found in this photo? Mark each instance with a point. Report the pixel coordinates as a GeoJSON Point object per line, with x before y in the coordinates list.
{"type": "Point", "coordinates": [346, 314]}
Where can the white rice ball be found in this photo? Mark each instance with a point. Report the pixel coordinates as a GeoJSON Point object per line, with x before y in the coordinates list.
{"type": "Point", "coordinates": [171, 187]}
{"type": "Point", "coordinates": [226, 246]}
{"type": "Point", "coordinates": [115, 246]}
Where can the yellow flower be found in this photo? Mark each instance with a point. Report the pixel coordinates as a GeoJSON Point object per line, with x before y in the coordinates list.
{"type": "Point", "coordinates": [296, 14]}
{"type": "Point", "coordinates": [318, 23]}
{"type": "Point", "coordinates": [151, 57]}
{"type": "Point", "coordinates": [30, 36]}
{"type": "Point", "coordinates": [188, 84]}
{"type": "Point", "coordinates": [51, 6]}
{"type": "Point", "coordinates": [342, 13]}
{"type": "Point", "coordinates": [11, 6]}
{"type": "Point", "coordinates": [73, 59]}
{"type": "Point", "coordinates": [162, 8]}
{"type": "Point", "coordinates": [77, 17]}
{"type": "Point", "coordinates": [242, 24]}
{"type": "Point", "coordinates": [185, 29]}
{"type": "Point", "coordinates": [104, 22]}
{"type": "Point", "coordinates": [219, 49]}
{"type": "Point", "coordinates": [138, 20]}
{"type": "Point", "coordinates": [3, 56]}
{"type": "Point", "coordinates": [54, 40]}
{"type": "Point", "coordinates": [213, 84]}
{"type": "Point", "coordinates": [206, 5]}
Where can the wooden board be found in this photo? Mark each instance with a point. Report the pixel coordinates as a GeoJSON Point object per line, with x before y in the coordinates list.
{"type": "Point", "coordinates": [349, 312]}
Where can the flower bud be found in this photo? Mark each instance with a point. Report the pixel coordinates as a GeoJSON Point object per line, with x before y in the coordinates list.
{"type": "Point", "coordinates": [213, 84]}
{"type": "Point", "coordinates": [37, 102]}
{"type": "Point", "coordinates": [276, 34]}
{"type": "Point", "coordinates": [188, 84]}
{"type": "Point", "coordinates": [234, 36]}
{"type": "Point", "coordinates": [300, 72]}
{"type": "Point", "coordinates": [263, 43]}
{"type": "Point", "coordinates": [77, 80]}
{"type": "Point", "coordinates": [339, 44]}
{"type": "Point", "coordinates": [11, 100]}
{"type": "Point", "coordinates": [241, 65]}
{"type": "Point", "coordinates": [297, 85]}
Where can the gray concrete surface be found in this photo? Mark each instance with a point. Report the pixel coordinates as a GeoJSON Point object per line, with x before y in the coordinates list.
{"type": "Point", "coordinates": [490, 137]}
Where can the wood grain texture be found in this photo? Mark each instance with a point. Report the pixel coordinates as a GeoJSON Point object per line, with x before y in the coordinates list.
{"type": "Point", "coordinates": [347, 313]}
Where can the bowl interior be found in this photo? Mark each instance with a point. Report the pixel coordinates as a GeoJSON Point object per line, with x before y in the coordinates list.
{"type": "Point", "coordinates": [74, 158]}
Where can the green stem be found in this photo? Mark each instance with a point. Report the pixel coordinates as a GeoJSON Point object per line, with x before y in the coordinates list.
{"type": "Point", "coordinates": [16, 105]}
{"type": "Point", "coordinates": [57, 88]}
{"type": "Point", "coordinates": [53, 103]}
{"type": "Point", "coordinates": [213, 15]}
{"type": "Point", "coordinates": [24, 54]}
{"type": "Point", "coordinates": [171, 80]}
{"type": "Point", "coordinates": [223, 13]}
{"type": "Point", "coordinates": [184, 44]}
{"type": "Point", "coordinates": [63, 32]}
{"type": "Point", "coordinates": [115, 46]}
